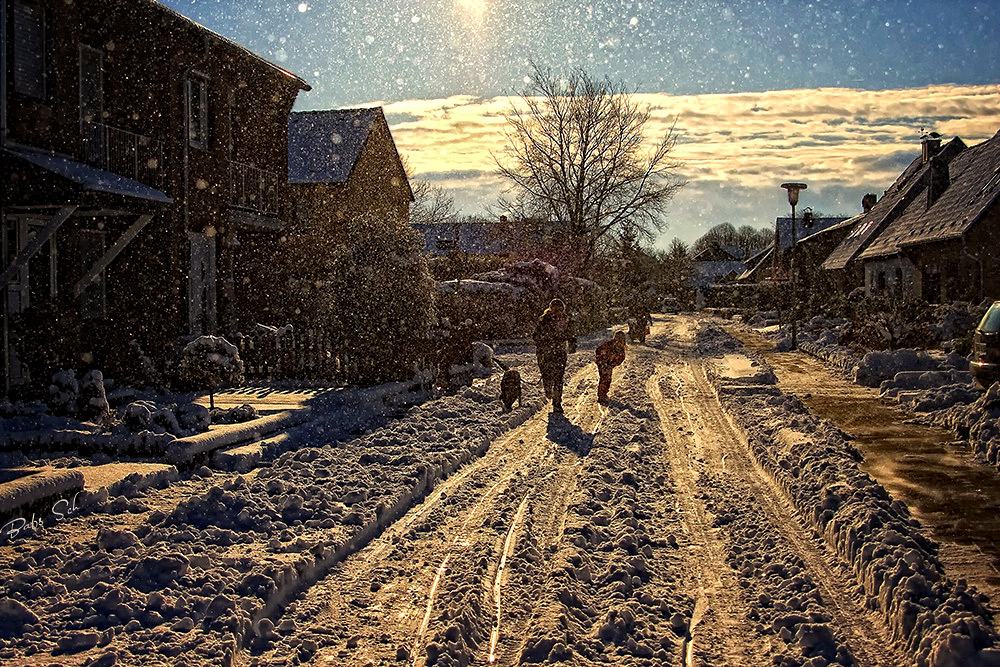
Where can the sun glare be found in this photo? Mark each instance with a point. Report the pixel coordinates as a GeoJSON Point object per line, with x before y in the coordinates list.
{"type": "Point", "coordinates": [473, 9]}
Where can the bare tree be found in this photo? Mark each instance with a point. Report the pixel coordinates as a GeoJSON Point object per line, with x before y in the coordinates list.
{"type": "Point", "coordinates": [431, 204]}
{"type": "Point", "coordinates": [576, 152]}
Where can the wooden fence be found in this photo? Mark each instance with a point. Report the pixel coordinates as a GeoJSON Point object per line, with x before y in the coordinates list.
{"type": "Point", "coordinates": [315, 355]}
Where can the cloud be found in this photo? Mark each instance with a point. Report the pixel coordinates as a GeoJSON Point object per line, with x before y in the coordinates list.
{"type": "Point", "coordinates": [735, 149]}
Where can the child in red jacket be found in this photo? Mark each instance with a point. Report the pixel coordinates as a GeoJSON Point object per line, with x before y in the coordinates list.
{"type": "Point", "coordinates": [610, 353]}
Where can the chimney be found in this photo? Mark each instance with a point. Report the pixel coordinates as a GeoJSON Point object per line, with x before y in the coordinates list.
{"type": "Point", "coordinates": [868, 201]}
{"type": "Point", "coordinates": [938, 179]}
{"type": "Point", "coordinates": [930, 145]}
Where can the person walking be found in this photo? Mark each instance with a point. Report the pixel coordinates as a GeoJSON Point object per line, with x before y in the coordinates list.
{"type": "Point", "coordinates": [552, 333]}
{"type": "Point", "coordinates": [609, 354]}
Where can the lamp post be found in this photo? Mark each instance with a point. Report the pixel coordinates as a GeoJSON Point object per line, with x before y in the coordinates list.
{"type": "Point", "coordinates": [793, 199]}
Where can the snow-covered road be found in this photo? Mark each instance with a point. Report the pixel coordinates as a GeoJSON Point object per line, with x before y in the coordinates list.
{"type": "Point", "coordinates": [698, 519]}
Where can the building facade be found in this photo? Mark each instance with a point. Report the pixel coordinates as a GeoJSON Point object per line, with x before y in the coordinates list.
{"type": "Point", "coordinates": [144, 171]}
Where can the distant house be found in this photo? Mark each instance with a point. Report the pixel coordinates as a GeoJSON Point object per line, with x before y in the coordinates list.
{"type": "Point", "coordinates": [766, 265]}
{"type": "Point", "coordinates": [343, 166]}
{"type": "Point", "coordinates": [843, 263]}
{"type": "Point", "coordinates": [473, 237]}
{"type": "Point", "coordinates": [944, 244]}
{"type": "Point", "coordinates": [143, 157]}
{"type": "Point", "coordinates": [717, 264]}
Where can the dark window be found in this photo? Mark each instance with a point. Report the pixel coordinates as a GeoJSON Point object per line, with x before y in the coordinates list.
{"type": "Point", "coordinates": [196, 101]}
{"type": "Point", "coordinates": [29, 50]}
{"type": "Point", "coordinates": [880, 283]}
{"type": "Point", "coordinates": [899, 279]}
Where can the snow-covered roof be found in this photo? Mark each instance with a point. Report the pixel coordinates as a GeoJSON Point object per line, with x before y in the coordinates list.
{"type": "Point", "coordinates": [323, 146]}
{"type": "Point", "coordinates": [973, 189]}
{"type": "Point", "coordinates": [892, 203]}
{"type": "Point", "coordinates": [225, 40]}
{"type": "Point", "coordinates": [802, 232]}
{"type": "Point", "coordinates": [91, 178]}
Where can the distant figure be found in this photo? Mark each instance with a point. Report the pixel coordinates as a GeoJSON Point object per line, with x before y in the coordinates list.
{"type": "Point", "coordinates": [639, 318]}
{"type": "Point", "coordinates": [610, 353]}
{"type": "Point", "coordinates": [551, 335]}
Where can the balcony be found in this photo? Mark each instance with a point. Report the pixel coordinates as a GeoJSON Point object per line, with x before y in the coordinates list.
{"type": "Point", "coordinates": [254, 189]}
{"type": "Point", "coordinates": [122, 152]}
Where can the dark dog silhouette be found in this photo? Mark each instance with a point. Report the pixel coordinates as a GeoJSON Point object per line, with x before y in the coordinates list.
{"type": "Point", "coordinates": [510, 386]}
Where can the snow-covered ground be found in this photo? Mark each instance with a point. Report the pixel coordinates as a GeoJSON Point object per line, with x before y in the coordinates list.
{"type": "Point", "coordinates": [675, 525]}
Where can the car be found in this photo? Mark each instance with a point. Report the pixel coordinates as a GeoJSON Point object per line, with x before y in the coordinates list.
{"type": "Point", "coordinates": [671, 306]}
{"type": "Point", "coordinates": [985, 364]}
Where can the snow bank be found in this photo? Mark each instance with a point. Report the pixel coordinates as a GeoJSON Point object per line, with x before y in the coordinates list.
{"type": "Point", "coordinates": [978, 420]}
{"type": "Point", "coordinates": [879, 366]}
{"type": "Point", "coordinates": [938, 621]}
{"type": "Point", "coordinates": [19, 496]}
{"type": "Point", "coordinates": [209, 577]}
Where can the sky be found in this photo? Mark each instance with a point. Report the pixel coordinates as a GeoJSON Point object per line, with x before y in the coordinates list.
{"type": "Point", "coordinates": [832, 93]}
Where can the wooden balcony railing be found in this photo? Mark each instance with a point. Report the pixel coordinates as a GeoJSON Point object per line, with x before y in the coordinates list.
{"type": "Point", "coordinates": [254, 189]}
{"type": "Point", "coordinates": [125, 153]}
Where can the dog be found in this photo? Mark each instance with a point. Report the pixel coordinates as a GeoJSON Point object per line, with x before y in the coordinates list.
{"type": "Point", "coordinates": [510, 386]}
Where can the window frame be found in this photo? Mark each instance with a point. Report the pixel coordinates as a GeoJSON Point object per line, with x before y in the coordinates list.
{"type": "Point", "coordinates": [17, 84]}
{"type": "Point", "coordinates": [196, 82]}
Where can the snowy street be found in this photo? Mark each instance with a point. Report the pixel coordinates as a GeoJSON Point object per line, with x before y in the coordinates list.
{"type": "Point", "coordinates": [703, 517]}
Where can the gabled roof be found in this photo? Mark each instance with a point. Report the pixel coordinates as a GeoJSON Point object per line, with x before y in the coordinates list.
{"type": "Point", "coordinates": [225, 40]}
{"type": "Point", "coordinates": [784, 227]}
{"type": "Point", "coordinates": [324, 146]}
{"type": "Point", "coordinates": [719, 253]}
{"type": "Point", "coordinates": [755, 263]}
{"type": "Point", "coordinates": [974, 187]}
{"type": "Point", "coordinates": [826, 231]}
{"type": "Point", "coordinates": [891, 205]}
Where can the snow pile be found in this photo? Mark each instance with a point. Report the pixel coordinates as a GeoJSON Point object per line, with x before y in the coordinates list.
{"type": "Point", "coordinates": [64, 392]}
{"type": "Point", "coordinates": [882, 365]}
{"type": "Point", "coordinates": [979, 421]}
{"type": "Point", "coordinates": [938, 621]}
{"type": "Point", "coordinates": [837, 356]}
{"type": "Point", "coordinates": [955, 320]}
{"type": "Point", "coordinates": [210, 575]}
{"type": "Point", "coordinates": [84, 398]}
{"type": "Point", "coordinates": [234, 415]}
{"type": "Point", "coordinates": [176, 419]}
{"type": "Point", "coordinates": [534, 275]}
{"type": "Point", "coordinates": [481, 288]}
{"type": "Point", "coordinates": [764, 318]}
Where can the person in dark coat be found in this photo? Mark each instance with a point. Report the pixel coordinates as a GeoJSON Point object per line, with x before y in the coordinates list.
{"type": "Point", "coordinates": [552, 333]}
{"type": "Point", "coordinates": [610, 353]}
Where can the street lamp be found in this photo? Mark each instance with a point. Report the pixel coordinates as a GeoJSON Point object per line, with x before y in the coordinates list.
{"type": "Point", "coordinates": [793, 199]}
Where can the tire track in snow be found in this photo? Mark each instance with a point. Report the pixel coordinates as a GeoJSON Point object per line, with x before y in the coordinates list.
{"type": "Point", "coordinates": [865, 632]}
{"type": "Point", "coordinates": [714, 583]}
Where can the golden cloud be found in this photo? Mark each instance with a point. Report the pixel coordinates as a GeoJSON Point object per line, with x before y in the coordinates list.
{"type": "Point", "coordinates": [838, 138]}
{"type": "Point", "coordinates": [819, 133]}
